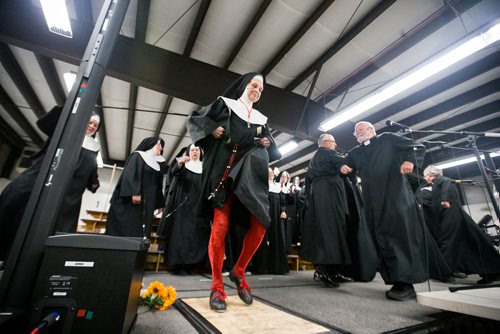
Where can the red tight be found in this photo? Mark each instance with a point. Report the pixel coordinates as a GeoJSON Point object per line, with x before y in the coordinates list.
{"type": "Point", "coordinates": [216, 248]}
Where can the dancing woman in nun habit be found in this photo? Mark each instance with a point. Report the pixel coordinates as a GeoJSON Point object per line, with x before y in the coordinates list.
{"type": "Point", "coordinates": [238, 147]}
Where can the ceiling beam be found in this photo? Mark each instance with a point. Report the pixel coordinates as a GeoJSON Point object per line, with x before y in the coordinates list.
{"type": "Point", "coordinates": [456, 78]}
{"type": "Point", "coordinates": [297, 155]}
{"type": "Point", "coordinates": [324, 5]}
{"type": "Point", "coordinates": [141, 26]}
{"type": "Point", "coordinates": [193, 35]}
{"type": "Point", "coordinates": [19, 117]}
{"type": "Point", "coordinates": [50, 74]}
{"type": "Point", "coordinates": [461, 100]}
{"type": "Point", "coordinates": [485, 126]}
{"type": "Point", "coordinates": [298, 167]}
{"type": "Point", "coordinates": [461, 150]}
{"type": "Point", "coordinates": [456, 121]}
{"type": "Point", "coordinates": [243, 38]}
{"type": "Point", "coordinates": [10, 136]}
{"type": "Point", "coordinates": [17, 75]}
{"type": "Point", "coordinates": [341, 42]}
{"type": "Point", "coordinates": [430, 25]}
{"type": "Point", "coordinates": [151, 67]}
{"type": "Point", "coordinates": [174, 150]}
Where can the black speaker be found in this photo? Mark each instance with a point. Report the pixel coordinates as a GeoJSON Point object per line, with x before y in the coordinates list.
{"type": "Point", "coordinates": [92, 281]}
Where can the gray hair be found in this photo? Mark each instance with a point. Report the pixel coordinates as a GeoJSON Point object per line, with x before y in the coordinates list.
{"type": "Point", "coordinates": [433, 171]}
{"type": "Point", "coordinates": [322, 138]}
{"type": "Point", "coordinates": [368, 124]}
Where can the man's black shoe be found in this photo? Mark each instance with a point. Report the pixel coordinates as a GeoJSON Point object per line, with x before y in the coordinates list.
{"type": "Point", "coordinates": [244, 291]}
{"type": "Point", "coordinates": [322, 277]}
{"type": "Point", "coordinates": [460, 275]}
{"type": "Point", "coordinates": [401, 292]}
{"type": "Point", "coordinates": [217, 302]}
{"type": "Point", "coordinates": [339, 278]}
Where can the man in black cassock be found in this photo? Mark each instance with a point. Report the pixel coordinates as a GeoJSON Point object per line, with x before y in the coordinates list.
{"type": "Point", "coordinates": [324, 239]}
{"type": "Point", "coordinates": [464, 246]}
{"type": "Point", "coordinates": [138, 192]}
{"type": "Point", "coordinates": [238, 147]}
{"type": "Point", "coordinates": [400, 235]}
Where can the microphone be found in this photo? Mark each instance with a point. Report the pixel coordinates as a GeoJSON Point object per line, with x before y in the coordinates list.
{"type": "Point", "coordinates": [399, 125]}
{"type": "Point", "coordinates": [464, 181]}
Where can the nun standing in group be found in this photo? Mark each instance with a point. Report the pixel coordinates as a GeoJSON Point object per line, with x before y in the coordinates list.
{"type": "Point", "coordinates": [271, 257]}
{"type": "Point", "coordinates": [186, 235]}
{"type": "Point", "coordinates": [138, 192]}
{"type": "Point", "coordinates": [84, 177]}
{"type": "Point", "coordinates": [238, 147]}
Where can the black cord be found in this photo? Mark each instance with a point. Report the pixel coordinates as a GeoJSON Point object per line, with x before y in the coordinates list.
{"type": "Point", "coordinates": [421, 211]}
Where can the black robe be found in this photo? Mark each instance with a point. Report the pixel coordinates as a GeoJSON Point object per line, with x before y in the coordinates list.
{"type": "Point", "coordinates": [407, 253]}
{"type": "Point", "coordinates": [186, 235]}
{"type": "Point", "coordinates": [13, 200]}
{"type": "Point", "coordinates": [464, 246]}
{"type": "Point", "coordinates": [125, 219]}
{"type": "Point", "coordinates": [15, 196]}
{"type": "Point", "coordinates": [271, 256]}
{"type": "Point", "coordinates": [292, 226]}
{"type": "Point", "coordinates": [85, 177]}
{"type": "Point", "coordinates": [324, 230]}
{"type": "Point", "coordinates": [248, 176]}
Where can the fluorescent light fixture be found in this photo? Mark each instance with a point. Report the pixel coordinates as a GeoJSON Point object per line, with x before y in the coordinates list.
{"type": "Point", "coordinates": [464, 161]}
{"type": "Point", "coordinates": [414, 77]}
{"type": "Point", "coordinates": [288, 147]}
{"type": "Point", "coordinates": [69, 79]}
{"type": "Point", "coordinates": [56, 15]}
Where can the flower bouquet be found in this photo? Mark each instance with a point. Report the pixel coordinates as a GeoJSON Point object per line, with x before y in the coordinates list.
{"type": "Point", "coordinates": [158, 296]}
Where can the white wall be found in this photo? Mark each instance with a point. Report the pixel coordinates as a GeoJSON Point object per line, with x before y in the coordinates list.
{"type": "Point", "coordinates": [99, 201]}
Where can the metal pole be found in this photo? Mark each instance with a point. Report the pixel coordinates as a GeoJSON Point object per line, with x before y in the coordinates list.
{"type": "Point", "coordinates": [59, 162]}
{"type": "Point", "coordinates": [472, 140]}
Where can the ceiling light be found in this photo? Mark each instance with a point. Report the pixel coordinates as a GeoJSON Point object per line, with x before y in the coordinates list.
{"type": "Point", "coordinates": [464, 161]}
{"type": "Point", "coordinates": [56, 15]}
{"type": "Point", "coordinates": [69, 79]}
{"type": "Point", "coordinates": [288, 147]}
{"type": "Point", "coordinates": [414, 77]}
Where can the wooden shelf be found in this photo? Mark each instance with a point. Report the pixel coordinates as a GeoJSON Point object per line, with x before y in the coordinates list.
{"type": "Point", "coordinates": [102, 215]}
{"type": "Point", "coordinates": [93, 225]}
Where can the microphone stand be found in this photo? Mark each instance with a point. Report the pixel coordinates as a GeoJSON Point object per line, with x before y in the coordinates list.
{"type": "Point", "coordinates": [471, 137]}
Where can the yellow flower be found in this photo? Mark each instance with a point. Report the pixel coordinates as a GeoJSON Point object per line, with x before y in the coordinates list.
{"type": "Point", "coordinates": [156, 288]}
{"type": "Point", "coordinates": [157, 296]}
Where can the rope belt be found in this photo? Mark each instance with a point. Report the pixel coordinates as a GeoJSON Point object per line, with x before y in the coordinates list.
{"type": "Point", "coordinates": [226, 172]}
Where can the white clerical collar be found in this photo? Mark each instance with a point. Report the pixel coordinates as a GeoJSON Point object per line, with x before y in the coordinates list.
{"type": "Point", "coordinates": [151, 159]}
{"type": "Point", "coordinates": [241, 110]}
{"type": "Point", "coordinates": [90, 144]}
{"type": "Point", "coordinates": [429, 188]}
{"type": "Point", "coordinates": [274, 187]}
{"type": "Point", "coordinates": [367, 142]}
{"type": "Point", "coordinates": [195, 166]}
